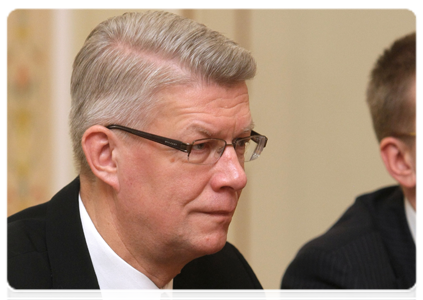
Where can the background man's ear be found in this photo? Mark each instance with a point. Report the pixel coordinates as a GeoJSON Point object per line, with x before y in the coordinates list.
{"type": "Point", "coordinates": [398, 159]}
{"type": "Point", "coordinates": [98, 144]}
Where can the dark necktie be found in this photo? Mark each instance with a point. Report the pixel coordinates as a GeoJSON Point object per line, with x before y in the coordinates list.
{"type": "Point", "coordinates": [164, 296]}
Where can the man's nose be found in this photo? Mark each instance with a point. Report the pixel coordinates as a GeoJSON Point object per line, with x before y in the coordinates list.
{"type": "Point", "coordinates": [230, 171]}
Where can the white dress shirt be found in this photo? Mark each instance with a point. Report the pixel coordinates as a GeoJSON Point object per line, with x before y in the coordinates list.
{"type": "Point", "coordinates": [410, 213]}
{"type": "Point", "coordinates": [111, 270]}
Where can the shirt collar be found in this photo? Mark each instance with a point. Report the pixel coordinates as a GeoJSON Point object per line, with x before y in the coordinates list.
{"type": "Point", "coordinates": [111, 270]}
{"type": "Point", "coordinates": [410, 214]}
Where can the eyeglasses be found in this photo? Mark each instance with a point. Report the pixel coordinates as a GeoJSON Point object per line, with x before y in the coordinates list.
{"type": "Point", "coordinates": [399, 134]}
{"type": "Point", "coordinates": [207, 151]}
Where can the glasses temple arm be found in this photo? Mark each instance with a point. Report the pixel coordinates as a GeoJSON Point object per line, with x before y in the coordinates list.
{"type": "Point", "coordinates": [178, 145]}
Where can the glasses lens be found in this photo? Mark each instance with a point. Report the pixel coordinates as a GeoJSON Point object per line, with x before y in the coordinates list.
{"type": "Point", "coordinates": [250, 148]}
{"type": "Point", "coordinates": [206, 151]}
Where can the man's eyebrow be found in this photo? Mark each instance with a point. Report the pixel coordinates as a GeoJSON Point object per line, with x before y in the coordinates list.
{"type": "Point", "coordinates": [199, 129]}
{"type": "Point", "coordinates": [249, 127]}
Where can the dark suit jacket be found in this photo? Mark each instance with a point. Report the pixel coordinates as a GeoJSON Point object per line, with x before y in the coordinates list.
{"type": "Point", "coordinates": [369, 247]}
{"type": "Point", "coordinates": [47, 250]}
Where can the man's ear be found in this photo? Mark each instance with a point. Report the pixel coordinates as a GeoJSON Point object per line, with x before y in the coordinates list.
{"type": "Point", "coordinates": [398, 159]}
{"type": "Point", "coordinates": [98, 144]}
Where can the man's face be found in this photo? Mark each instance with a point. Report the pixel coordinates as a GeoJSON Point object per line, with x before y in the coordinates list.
{"type": "Point", "coordinates": [168, 205]}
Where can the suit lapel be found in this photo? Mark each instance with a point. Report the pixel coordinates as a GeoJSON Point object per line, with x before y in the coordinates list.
{"type": "Point", "coordinates": [68, 252]}
{"type": "Point", "coordinates": [397, 238]}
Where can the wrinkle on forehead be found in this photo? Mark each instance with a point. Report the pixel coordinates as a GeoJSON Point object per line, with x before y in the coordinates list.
{"type": "Point", "coordinates": [206, 109]}
{"type": "Point", "coordinates": [195, 92]}
{"type": "Point", "coordinates": [228, 103]}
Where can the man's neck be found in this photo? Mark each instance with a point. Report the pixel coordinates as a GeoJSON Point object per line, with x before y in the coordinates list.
{"type": "Point", "coordinates": [99, 204]}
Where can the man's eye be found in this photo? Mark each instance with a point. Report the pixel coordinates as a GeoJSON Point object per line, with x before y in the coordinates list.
{"type": "Point", "coordinates": [243, 143]}
{"type": "Point", "coordinates": [200, 146]}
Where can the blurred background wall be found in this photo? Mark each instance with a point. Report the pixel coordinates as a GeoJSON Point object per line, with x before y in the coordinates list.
{"type": "Point", "coordinates": [308, 98]}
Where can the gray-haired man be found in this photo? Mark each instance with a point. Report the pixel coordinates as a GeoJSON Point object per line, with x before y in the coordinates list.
{"type": "Point", "coordinates": [161, 128]}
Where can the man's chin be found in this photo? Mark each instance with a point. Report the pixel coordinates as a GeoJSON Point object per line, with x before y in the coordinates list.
{"type": "Point", "coordinates": [211, 244]}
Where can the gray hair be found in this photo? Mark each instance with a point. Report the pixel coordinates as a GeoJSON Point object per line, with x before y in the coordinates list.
{"type": "Point", "coordinates": [389, 88]}
{"type": "Point", "coordinates": [126, 60]}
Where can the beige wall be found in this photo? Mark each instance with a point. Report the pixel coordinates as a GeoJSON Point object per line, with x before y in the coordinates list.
{"type": "Point", "coordinates": [308, 98]}
{"type": "Point", "coordinates": [316, 68]}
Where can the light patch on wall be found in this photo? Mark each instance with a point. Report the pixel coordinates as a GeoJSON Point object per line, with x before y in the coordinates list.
{"type": "Point", "coordinates": [28, 108]}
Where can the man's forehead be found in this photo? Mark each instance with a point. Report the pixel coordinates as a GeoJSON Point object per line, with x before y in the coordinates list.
{"type": "Point", "coordinates": [206, 109]}
{"type": "Point", "coordinates": [203, 94]}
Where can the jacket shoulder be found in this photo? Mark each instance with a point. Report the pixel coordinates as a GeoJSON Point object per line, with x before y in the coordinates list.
{"type": "Point", "coordinates": [28, 265]}
{"type": "Point", "coordinates": [352, 253]}
{"type": "Point", "coordinates": [358, 221]}
{"type": "Point", "coordinates": [26, 231]}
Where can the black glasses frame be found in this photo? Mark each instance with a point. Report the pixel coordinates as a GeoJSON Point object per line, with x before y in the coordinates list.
{"type": "Point", "coordinates": [178, 145]}
{"type": "Point", "coordinates": [402, 134]}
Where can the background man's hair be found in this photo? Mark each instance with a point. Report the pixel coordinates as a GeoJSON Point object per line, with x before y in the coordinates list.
{"type": "Point", "coordinates": [126, 60]}
{"type": "Point", "coordinates": [388, 93]}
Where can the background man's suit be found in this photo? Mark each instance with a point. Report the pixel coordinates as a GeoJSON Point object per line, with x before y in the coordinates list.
{"type": "Point", "coordinates": [369, 247]}
{"type": "Point", "coordinates": [47, 250]}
